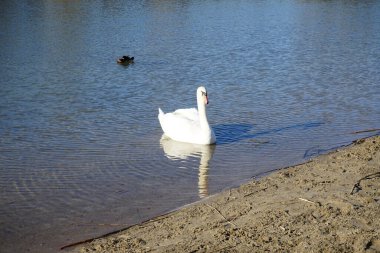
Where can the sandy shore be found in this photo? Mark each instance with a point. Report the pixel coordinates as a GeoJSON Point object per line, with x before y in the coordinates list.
{"type": "Point", "coordinates": [329, 204]}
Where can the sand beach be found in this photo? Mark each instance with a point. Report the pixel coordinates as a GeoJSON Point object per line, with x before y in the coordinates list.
{"type": "Point", "coordinates": [328, 204]}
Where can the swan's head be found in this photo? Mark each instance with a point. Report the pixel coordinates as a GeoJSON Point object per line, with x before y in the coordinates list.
{"type": "Point", "coordinates": [202, 95]}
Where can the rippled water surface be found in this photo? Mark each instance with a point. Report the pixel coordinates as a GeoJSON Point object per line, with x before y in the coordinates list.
{"type": "Point", "coordinates": [81, 152]}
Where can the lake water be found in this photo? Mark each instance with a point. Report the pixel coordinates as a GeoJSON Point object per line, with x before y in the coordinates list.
{"type": "Point", "coordinates": [80, 143]}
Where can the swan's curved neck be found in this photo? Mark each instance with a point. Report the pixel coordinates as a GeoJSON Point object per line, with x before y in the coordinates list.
{"type": "Point", "coordinates": [202, 113]}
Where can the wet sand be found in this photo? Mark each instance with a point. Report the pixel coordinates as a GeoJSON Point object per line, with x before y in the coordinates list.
{"type": "Point", "coordinates": [328, 204]}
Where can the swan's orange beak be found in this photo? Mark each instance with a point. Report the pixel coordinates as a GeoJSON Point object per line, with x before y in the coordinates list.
{"type": "Point", "coordinates": [206, 100]}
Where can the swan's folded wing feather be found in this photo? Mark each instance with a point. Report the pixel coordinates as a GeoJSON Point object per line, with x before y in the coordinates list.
{"type": "Point", "coordinates": [189, 113]}
{"type": "Point", "coordinates": [180, 125]}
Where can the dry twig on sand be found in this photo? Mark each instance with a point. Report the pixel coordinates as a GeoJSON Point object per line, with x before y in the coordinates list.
{"type": "Point", "coordinates": [308, 201]}
{"type": "Point", "coordinates": [214, 208]}
{"type": "Point", "coordinates": [357, 186]}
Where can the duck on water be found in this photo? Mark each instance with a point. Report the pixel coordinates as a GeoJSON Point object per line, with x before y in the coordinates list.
{"type": "Point", "coordinates": [126, 59]}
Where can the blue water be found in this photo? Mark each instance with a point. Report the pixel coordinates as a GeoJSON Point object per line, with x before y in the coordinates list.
{"type": "Point", "coordinates": [81, 152]}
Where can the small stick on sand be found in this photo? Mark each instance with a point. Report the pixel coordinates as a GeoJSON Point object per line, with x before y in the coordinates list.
{"type": "Point", "coordinates": [214, 208]}
{"type": "Point", "coordinates": [217, 211]}
{"type": "Point", "coordinates": [357, 186]}
{"type": "Point", "coordinates": [308, 201]}
{"type": "Point", "coordinates": [263, 189]}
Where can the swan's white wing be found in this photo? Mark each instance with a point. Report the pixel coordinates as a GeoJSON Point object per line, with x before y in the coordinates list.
{"type": "Point", "coordinates": [181, 125]}
{"type": "Point", "coordinates": [178, 122]}
{"type": "Point", "coordinates": [190, 113]}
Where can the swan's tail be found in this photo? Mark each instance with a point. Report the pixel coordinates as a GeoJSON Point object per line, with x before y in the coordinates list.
{"type": "Point", "coordinates": [160, 118]}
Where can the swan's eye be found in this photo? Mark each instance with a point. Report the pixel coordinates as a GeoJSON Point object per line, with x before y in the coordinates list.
{"type": "Point", "coordinates": [204, 93]}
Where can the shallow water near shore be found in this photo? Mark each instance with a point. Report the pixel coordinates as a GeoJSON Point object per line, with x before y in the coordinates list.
{"type": "Point", "coordinates": [81, 149]}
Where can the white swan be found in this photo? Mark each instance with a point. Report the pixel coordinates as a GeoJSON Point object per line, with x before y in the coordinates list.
{"type": "Point", "coordinates": [189, 125]}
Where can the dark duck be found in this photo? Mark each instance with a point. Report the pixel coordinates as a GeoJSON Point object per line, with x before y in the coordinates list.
{"type": "Point", "coordinates": [125, 59]}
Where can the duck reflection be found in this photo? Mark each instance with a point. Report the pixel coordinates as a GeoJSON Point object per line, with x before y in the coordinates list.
{"type": "Point", "coordinates": [175, 150]}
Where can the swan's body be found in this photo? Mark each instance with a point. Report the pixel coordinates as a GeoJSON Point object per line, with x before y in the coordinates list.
{"type": "Point", "coordinates": [189, 125]}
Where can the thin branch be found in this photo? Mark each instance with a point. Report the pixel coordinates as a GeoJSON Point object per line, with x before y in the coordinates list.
{"type": "Point", "coordinates": [357, 187]}
{"type": "Point", "coordinates": [248, 194]}
{"type": "Point", "coordinates": [217, 211]}
{"type": "Point", "coordinates": [366, 131]}
{"type": "Point", "coordinates": [214, 208]}
{"type": "Point", "coordinates": [308, 201]}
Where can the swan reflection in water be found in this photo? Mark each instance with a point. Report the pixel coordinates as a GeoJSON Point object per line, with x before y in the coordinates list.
{"type": "Point", "coordinates": [175, 150]}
